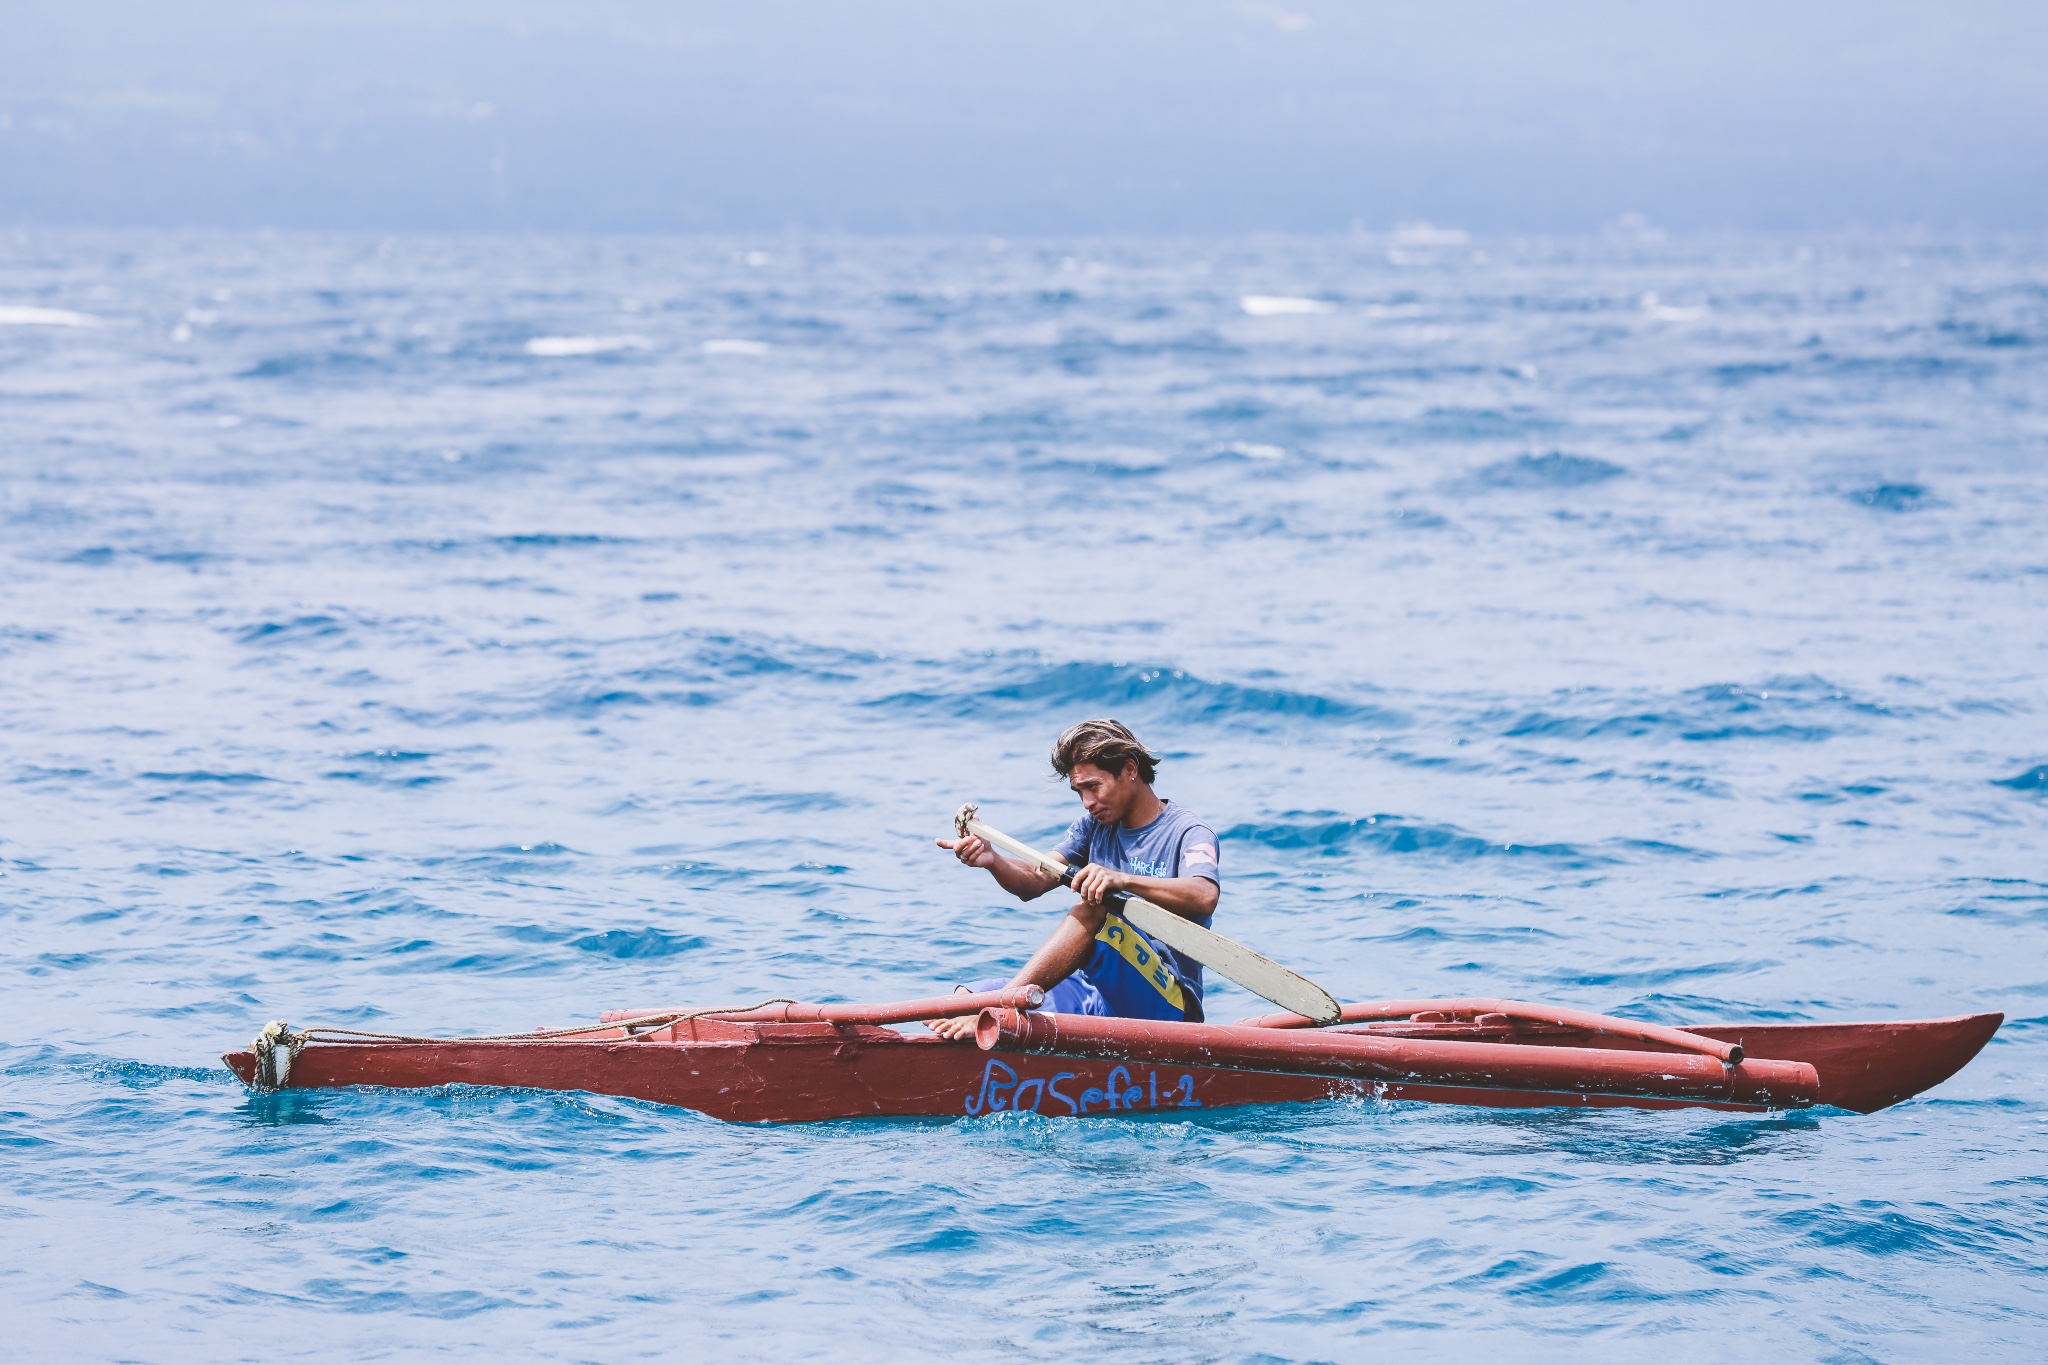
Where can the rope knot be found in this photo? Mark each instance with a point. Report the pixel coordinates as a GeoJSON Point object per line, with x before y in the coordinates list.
{"type": "Point", "coordinates": [274, 1068]}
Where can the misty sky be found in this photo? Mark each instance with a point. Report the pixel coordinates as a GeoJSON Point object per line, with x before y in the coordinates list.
{"type": "Point", "coordinates": [1011, 117]}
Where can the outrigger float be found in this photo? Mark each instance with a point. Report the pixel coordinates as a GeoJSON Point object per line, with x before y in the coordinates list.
{"type": "Point", "coordinates": [785, 1062]}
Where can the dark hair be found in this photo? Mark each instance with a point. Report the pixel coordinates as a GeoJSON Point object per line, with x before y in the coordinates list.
{"type": "Point", "coordinates": [1106, 744]}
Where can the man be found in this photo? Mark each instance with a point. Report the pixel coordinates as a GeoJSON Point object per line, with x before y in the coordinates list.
{"type": "Point", "coordinates": [1132, 841]}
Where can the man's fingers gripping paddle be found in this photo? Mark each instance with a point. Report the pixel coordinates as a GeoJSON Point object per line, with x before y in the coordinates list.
{"type": "Point", "coordinates": [1094, 883]}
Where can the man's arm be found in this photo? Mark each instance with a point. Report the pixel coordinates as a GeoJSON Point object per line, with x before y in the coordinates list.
{"type": "Point", "coordinates": [1023, 880]}
{"type": "Point", "coordinates": [1189, 897]}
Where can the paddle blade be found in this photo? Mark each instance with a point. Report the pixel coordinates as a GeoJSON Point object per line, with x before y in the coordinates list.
{"type": "Point", "coordinates": [1256, 972]}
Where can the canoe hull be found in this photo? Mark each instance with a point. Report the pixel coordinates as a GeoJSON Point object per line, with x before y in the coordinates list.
{"type": "Point", "coordinates": [809, 1072]}
{"type": "Point", "coordinates": [765, 1083]}
{"type": "Point", "coordinates": [1868, 1067]}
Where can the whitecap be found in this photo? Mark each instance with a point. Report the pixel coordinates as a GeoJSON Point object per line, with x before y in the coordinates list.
{"type": "Point", "coordinates": [1252, 450]}
{"type": "Point", "coordinates": [16, 316]}
{"type": "Point", "coordinates": [1428, 234]}
{"type": "Point", "coordinates": [562, 346]}
{"type": "Point", "coordinates": [1283, 306]}
{"type": "Point", "coordinates": [1664, 312]}
{"type": "Point", "coordinates": [734, 346]}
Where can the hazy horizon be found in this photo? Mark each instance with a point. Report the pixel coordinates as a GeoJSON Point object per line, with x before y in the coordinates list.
{"type": "Point", "coordinates": [1039, 120]}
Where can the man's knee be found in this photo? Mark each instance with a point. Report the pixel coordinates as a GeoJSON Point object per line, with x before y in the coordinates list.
{"type": "Point", "coordinates": [1090, 917]}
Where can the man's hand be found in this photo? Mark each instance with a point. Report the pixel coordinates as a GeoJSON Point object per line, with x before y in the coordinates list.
{"type": "Point", "coordinates": [972, 850]}
{"type": "Point", "coordinates": [1026, 881]}
{"type": "Point", "coordinates": [1094, 882]}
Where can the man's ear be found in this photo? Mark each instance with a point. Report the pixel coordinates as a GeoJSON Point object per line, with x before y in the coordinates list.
{"type": "Point", "coordinates": [1130, 770]}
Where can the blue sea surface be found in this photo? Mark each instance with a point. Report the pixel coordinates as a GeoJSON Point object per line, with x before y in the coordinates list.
{"type": "Point", "coordinates": [465, 634]}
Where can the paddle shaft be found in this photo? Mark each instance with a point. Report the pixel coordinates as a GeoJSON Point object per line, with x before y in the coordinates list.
{"type": "Point", "coordinates": [1229, 959]}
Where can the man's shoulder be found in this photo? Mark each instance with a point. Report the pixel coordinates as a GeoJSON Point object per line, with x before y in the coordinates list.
{"type": "Point", "coordinates": [1196, 840]}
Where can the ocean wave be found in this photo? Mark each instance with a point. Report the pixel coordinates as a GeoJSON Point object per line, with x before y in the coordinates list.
{"type": "Point", "coordinates": [619, 943]}
{"type": "Point", "coordinates": [1895, 497]}
{"type": "Point", "coordinates": [204, 776]}
{"type": "Point", "coordinates": [339, 364]}
{"type": "Point", "coordinates": [1554, 470]}
{"type": "Point", "coordinates": [1745, 372]}
{"type": "Point", "coordinates": [1473, 424]}
{"type": "Point", "coordinates": [1393, 834]}
{"type": "Point", "coordinates": [298, 630]}
{"type": "Point", "coordinates": [1650, 978]}
{"type": "Point", "coordinates": [544, 540]}
{"type": "Point", "coordinates": [372, 776]}
{"type": "Point", "coordinates": [542, 858]}
{"type": "Point", "coordinates": [1158, 692]}
{"type": "Point", "coordinates": [12, 638]}
{"type": "Point", "coordinates": [629, 943]}
{"type": "Point", "coordinates": [1431, 934]}
{"type": "Point", "coordinates": [1803, 710]}
{"type": "Point", "coordinates": [1995, 335]}
{"type": "Point", "coordinates": [1901, 368]}
{"type": "Point", "coordinates": [124, 1072]}
{"type": "Point", "coordinates": [1883, 1228]}
{"type": "Point", "coordinates": [107, 554]}
{"type": "Point", "coordinates": [1676, 1010]}
{"type": "Point", "coordinates": [2034, 779]}
{"type": "Point", "coordinates": [511, 543]}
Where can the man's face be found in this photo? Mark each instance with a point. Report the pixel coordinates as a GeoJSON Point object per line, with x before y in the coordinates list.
{"type": "Point", "coordinates": [1104, 794]}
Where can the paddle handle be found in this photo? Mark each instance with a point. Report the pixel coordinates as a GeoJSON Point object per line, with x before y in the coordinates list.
{"type": "Point", "coordinates": [1017, 848]}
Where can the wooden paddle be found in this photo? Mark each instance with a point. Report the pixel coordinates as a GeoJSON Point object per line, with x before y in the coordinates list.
{"type": "Point", "coordinates": [1260, 975]}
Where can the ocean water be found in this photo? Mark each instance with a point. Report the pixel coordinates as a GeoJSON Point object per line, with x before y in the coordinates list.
{"type": "Point", "coordinates": [463, 634]}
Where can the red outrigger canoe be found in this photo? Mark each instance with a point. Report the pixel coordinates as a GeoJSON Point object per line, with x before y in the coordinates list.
{"type": "Point", "coordinates": [790, 1062]}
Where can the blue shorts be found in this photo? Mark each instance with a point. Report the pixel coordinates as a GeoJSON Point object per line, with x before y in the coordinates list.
{"type": "Point", "coordinates": [1075, 995]}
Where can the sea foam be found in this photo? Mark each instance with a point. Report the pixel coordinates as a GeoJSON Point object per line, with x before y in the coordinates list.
{"type": "Point", "coordinates": [1283, 305]}
{"type": "Point", "coordinates": [14, 315]}
{"type": "Point", "coordinates": [566, 346]}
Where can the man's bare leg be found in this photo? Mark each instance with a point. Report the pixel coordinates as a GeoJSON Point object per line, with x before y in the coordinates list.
{"type": "Point", "coordinates": [1065, 951]}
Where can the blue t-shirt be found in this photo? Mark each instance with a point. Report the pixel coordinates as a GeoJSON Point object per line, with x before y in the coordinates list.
{"type": "Point", "coordinates": [1178, 843]}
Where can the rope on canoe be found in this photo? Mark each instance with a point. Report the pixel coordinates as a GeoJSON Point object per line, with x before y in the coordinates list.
{"type": "Point", "coordinates": [273, 1073]}
{"type": "Point", "coordinates": [274, 1065]}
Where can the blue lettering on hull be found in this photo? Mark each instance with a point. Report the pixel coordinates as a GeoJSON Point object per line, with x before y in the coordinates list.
{"type": "Point", "coordinates": [1002, 1089]}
